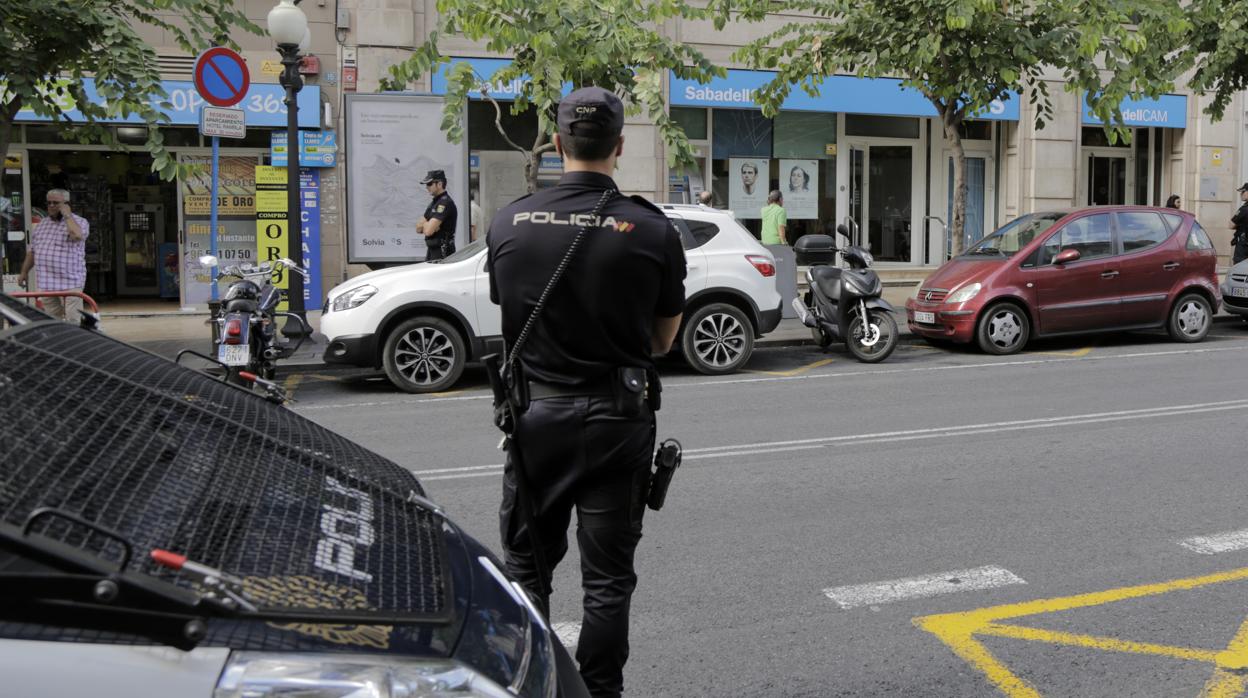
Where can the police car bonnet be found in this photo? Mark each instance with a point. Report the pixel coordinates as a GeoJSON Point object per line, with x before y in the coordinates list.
{"type": "Point", "coordinates": [591, 111]}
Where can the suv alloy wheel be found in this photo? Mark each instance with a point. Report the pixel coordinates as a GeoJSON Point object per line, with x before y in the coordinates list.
{"type": "Point", "coordinates": [424, 355]}
{"type": "Point", "coordinates": [718, 338]}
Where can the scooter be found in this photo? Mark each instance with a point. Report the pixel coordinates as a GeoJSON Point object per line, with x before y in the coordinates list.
{"type": "Point", "coordinates": [248, 344]}
{"type": "Point", "coordinates": [845, 305]}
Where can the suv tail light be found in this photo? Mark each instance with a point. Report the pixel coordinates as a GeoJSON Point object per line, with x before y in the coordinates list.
{"type": "Point", "coordinates": [764, 265]}
{"type": "Point", "coordinates": [233, 330]}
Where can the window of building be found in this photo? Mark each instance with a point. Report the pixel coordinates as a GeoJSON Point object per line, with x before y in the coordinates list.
{"type": "Point", "coordinates": [975, 130]}
{"type": "Point", "coordinates": [740, 133]}
{"type": "Point", "coordinates": [692, 120]}
{"type": "Point", "coordinates": [804, 135]}
{"type": "Point", "coordinates": [881, 126]}
{"type": "Point", "coordinates": [1095, 137]}
{"type": "Point", "coordinates": [483, 132]}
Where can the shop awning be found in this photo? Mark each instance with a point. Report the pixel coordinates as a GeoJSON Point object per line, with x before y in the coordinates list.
{"type": "Point", "coordinates": [843, 94]}
{"type": "Point", "coordinates": [1167, 111]}
{"type": "Point", "coordinates": [263, 105]}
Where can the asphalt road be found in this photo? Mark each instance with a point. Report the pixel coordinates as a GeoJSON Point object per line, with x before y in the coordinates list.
{"type": "Point", "coordinates": [943, 524]}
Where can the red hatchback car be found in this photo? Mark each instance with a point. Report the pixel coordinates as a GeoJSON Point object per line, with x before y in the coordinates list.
{"type": "Point", "coordinates": [1066, 272]}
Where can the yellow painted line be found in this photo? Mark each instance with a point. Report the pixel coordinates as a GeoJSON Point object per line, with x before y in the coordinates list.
{"type": "Point", "coordinates": [446, 394]}
{"type": "Point", "coordinates": [1228, 677]}
{"type": "Point", "coordinates": [958, 631]}
{"type": "Point", "coordinates": [1078, 352]}
{"type": "Point", "coordinates": [1097, 643]}
{"type": "Point", "coordinates": [796, 371]}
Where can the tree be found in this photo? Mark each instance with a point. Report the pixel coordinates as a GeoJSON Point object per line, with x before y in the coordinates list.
{"type": "Point", "coordinates": [961, 54]}
{"type": "Point", "coordinates": [1217, 47]}
{"type": "Point", "coordinates": [613, 44]}
{"type": "Point", "coordinates": [47, 48]}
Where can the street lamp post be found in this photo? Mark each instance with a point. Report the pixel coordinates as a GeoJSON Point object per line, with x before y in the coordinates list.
{"type": "Point", "coordinates": [289, 28]}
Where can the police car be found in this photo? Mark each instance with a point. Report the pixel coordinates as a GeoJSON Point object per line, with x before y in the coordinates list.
{"type": "Point", "coordinates": [422, 323]}
{"type": "Point", "coordinates": [172, 535]}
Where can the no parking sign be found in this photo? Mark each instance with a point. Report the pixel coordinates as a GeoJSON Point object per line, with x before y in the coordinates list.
{"type": "Point", "coordinates": [221, 76]}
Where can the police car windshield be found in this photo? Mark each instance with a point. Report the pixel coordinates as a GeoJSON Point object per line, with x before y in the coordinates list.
{"type": "Point", "coordinates": [460, 255]}
{"type": "Point", "coordinates": [1015, 235]}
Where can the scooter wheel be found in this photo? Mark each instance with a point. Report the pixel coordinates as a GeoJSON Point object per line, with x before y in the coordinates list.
{"type": "Point", "coordinates": [873, 342]}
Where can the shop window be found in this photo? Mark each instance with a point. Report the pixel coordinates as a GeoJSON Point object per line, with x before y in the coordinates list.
{"type": "Point", "coordinates": [1141, 166]}
{"type": "Point", "coordinates": [692, 120]}
{"type": "Point", "coordinates": [881, 126]}
{"type": "Point", "coordinates": [974, 130]}
{"type": "Point", "coordinates": [740, 133]}
{"type": "Point", "coordinates": [483, 132]}
{"type": "Point", "coordinates": [45, 134]}
{"type": "Point", "coordinates": [804, 135]}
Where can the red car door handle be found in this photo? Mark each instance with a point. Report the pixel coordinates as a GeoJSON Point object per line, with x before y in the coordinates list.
{"type": "Point", "coordinates": [1170, 266]}
{"type": "Point", "coordinates": [1108, 274]}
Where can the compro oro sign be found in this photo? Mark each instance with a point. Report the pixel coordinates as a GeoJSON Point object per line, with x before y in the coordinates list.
{"type": "Point", "coordinates": [222, 122]}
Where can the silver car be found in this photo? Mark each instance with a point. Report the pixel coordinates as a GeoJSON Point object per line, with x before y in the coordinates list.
{"type": "Point", "coordinates": [1235, 290]}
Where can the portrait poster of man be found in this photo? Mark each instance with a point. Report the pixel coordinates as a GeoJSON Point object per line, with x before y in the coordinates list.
{"type": "Point", "coordinates": [747, 186]}
{"type": "Point", "coordinates": [799, 182]}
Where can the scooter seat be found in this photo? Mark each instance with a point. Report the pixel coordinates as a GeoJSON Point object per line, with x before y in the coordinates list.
{"type": "Point", "coordinates": [828, 280]}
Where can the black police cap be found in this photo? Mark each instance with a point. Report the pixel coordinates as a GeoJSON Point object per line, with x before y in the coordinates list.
{"type": "Point", "coordinates": [591, 111]}
{"type": "Point", "coordinates": [434, 176]}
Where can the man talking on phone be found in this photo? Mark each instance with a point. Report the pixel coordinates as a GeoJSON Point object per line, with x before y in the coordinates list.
{"type": "Point", "coordinates": [58, 254]}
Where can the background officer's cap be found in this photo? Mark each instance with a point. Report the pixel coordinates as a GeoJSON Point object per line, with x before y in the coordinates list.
{"type": "Point", "coordinates": [591, 111]}
{"type": "Point", "coordinates": [1243, 188]}
{"type": "Point", "coordinates": [434, 176]}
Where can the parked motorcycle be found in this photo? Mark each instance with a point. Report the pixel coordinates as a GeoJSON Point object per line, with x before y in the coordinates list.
{"type": "Point", "coordinates": [845, 305]}
{"type": "Point", "coordinates": [248, 343]}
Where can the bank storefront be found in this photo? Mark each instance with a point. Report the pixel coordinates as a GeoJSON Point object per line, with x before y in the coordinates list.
{"type": "Point", "coordinates": [146, 234]}
{"type": "Point", "coordinates": [866, 153]}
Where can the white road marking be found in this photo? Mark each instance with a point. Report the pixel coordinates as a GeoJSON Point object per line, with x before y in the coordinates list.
{"type": "Point", "coordinates": [1217, 543]}
{"type": "Point", "coordinates": [977, 579]}
{"type": "Point", "coordinates": [569, 633]}
{"type": "Point", "coordinates": [806, 376]}
{"type": "Point", "coordinates": [771, 447]}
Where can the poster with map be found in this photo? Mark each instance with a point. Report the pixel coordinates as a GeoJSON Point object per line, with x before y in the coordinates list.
{"type": "Point", "coordinates": [392, 142]}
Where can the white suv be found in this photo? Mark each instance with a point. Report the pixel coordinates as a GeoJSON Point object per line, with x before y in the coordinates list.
{"type": "Point", "coordinates": [423, 323]}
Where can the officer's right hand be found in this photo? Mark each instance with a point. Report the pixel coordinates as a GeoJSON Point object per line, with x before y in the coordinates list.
{"type": "Point", "coordinates": [21, 280]}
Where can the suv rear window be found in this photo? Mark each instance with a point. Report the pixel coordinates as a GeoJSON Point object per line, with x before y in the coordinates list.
{"type": "Point", "coordinates": [693, 233]}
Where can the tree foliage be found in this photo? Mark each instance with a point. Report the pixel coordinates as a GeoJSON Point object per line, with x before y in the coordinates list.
{"type": "Point", "coordinates": [1217, 47]}
{"type": "Point", "coordinates": [47, 48]}
{"type": "Point", "coordinates": [963, 55]}
{"type": "Point", "coordinates": [614, 44]}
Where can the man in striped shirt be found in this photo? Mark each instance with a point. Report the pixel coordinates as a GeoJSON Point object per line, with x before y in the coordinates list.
{"type": "Point", "coordinates": [58, 254]}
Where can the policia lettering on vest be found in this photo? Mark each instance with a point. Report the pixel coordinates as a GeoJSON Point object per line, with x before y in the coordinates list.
{"type": "Point", "coordinates": [591, 285]}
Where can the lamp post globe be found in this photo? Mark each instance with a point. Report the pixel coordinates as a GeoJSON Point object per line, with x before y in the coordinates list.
{"type": "Point", "coordinates": [289, 28]}
{"type": "Point", "coordinates": [287, 23]}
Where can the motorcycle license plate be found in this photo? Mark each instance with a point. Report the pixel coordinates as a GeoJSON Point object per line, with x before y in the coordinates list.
{"type": "Point", "coordinates": [1239, 292]}
{"type": "Point", "coordinates": [234, 354]}
{"type": "Point", "coordinates": [926, 318]}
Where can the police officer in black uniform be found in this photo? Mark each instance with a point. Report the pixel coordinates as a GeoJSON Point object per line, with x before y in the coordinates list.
{"type": "Point", "coordinates": [438, 223]}
{"type": "Point", "coordinates": [587, 435]}
{"type": "Point", "coordinates": [1239, 223]}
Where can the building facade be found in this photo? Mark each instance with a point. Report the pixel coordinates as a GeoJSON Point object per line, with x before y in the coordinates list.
{"type": "Point", "coordinates": [864, 153]}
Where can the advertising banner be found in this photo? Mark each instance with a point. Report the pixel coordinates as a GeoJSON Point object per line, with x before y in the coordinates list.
{"type": "Point", "coordinates": [272, 222]}
{"type": "Point", "coordinates": [799, 183]}
{"type": "Point", "coordinates": [393, 141]}
{"type": "Point", "coordinates": [236, 227]}
{"type": "Point", "coordinates": [747, 186]}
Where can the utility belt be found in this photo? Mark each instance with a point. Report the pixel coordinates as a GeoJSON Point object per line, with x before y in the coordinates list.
{"type": "Point", "coordinates": [630, 387]}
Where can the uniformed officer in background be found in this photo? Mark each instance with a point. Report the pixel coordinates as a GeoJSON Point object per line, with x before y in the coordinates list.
{"type": "Point", "coordinates": [585, 443]}
{"type": "Point", "coordinates": [441, 217]}
{"type": "Point", "coordinates": [1239, 224]}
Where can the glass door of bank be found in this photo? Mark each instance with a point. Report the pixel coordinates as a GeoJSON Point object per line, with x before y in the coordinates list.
{"type": "Point", "coordinates": [14, 185]}
{"type": "Point", "coordinates": [1108, 177]}
{"type": "Point", "coordinates": [880, 190]}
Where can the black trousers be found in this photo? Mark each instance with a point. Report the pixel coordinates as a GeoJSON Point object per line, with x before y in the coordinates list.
{"type": "Point", "coordinates": [580, 453]}
{"type": "Point", "coordinates": [434, 253]}
{"type": "Point", "coordinates": [1240, 252]}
